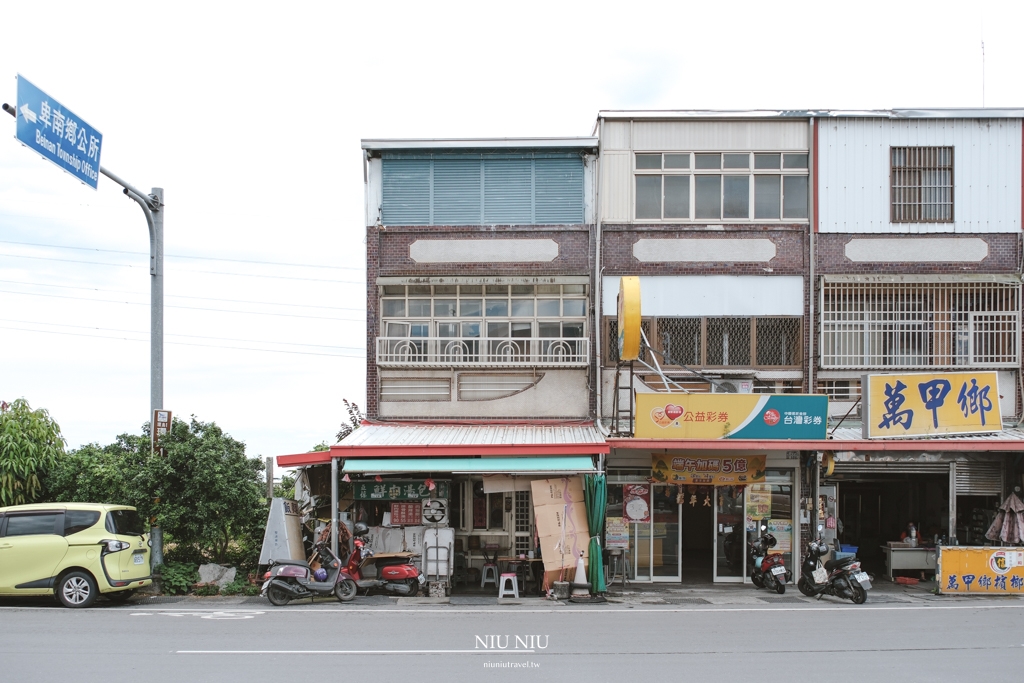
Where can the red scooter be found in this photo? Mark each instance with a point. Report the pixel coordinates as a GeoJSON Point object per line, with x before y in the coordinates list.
{"type": "Point", "coordinates": [394, 572]}
{"type": "Point", "coordinates": [767, 569]}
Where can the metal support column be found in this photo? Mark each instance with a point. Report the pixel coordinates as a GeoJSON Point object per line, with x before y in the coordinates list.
{"type": "Point", "coordinates": [334, 506]}
{"type": "Point", "coordinates": [952, 503]}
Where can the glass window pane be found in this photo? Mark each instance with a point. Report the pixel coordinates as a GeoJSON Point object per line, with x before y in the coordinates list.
{"type": "Point", "coordinates": [794, 201]}
{"type": "Point", "coordinates": [471, 289]}
{"type": "Point", "coordinates": [708, 195]}
{"type": "Point", "coordinates": [445, 290]}
{"type": "Point", "coordinates": [522, 329]}
{"type": "Point", "coordinates": [522, 290]}
{"type": "Point", "coordinates": [471, 330]}
{"type": "Point", "coordinates": [737, 161]}
{"type": "Point", "coordinates": [497, 290]}
{"type": "Point", "coordinates": [737, 197]}
{"type": "Point", "coordinates": [394, 290]}
{"type": "Point", "coordinates": [572, 329]}
{"type": "Point", "coordinates": [419, 290]}
{"type": "Point", "coordinates": [394, 308]}
{"type": "Point", "coordinates": [497, 330]}
{"type": "Point", "coordinates": [419, 308]}
{"type": "Point", "coordinates": [548, 308]}
{"type": "Point", "coordinates": [708, 160]}
{"type": "Point", "coordinates": [447, 330]}
{"type": "Point", "coordinates": [574, 307]}
{"type": "Point", "coordinates": [497, 307]}
{"type": "Point", "coordinates": [419, 330]}
{"type": "Point", "coordinates": [549, 329]}
{"type": "Point", "coordinates": [397, 330]}
{"type": "Point", "coordinates": [31, 525]}
{"type": "Point", "coordinates": [767, 161]}
{"type": "Point", "coordinates": [444, 308]}
{"type": "Point", "coordinates": [574, 289]}
{"type": "Point", "coordinates": [470, 308]}
{"type": "Point", "coordinates": [794, 161]}
{"type": "Point", "coordinates": [677, 196]}
{"type": "Point", "coordinates": [767, 196]}
{"type": "Point", "coordinates": [549, 289]}
{"type": "Point", "coordinates": [648, 196]}
{"type": "Point", "coordinates": [522, 308]}
{"type": "Point", "coordinates": [677, 161]}
{"type": "Point", "coordinates": [648, 161]}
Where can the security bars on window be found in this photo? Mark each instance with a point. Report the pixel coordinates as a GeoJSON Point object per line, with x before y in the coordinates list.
{"type": "Point", "coordinates": [920, 325]}
{"type": "Point", "coordinates": [922, 184]}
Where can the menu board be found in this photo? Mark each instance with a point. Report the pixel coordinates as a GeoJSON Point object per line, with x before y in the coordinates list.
{"type": "Point", "coordinates": [616, 533]}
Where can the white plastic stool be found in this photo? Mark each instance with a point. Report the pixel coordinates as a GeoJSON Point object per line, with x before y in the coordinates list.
{"type": "Point", "coordinates": [489, 573]}
{"type": "Point", "coordinates": [505, 579]}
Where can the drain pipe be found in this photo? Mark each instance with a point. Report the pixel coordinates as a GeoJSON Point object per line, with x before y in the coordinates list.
{"type": "Point", "coordinates": [598, 284]}
{"type": "Point", "coordinates": [812, 229]}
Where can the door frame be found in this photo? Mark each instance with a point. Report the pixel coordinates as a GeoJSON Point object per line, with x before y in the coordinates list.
{"type": "Point", "coordinates": [742, 578]}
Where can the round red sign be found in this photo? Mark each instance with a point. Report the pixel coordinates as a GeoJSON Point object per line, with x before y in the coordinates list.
{"type": "Point", "coordinates": [771, 417]}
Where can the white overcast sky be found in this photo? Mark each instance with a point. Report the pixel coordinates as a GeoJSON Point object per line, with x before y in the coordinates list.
{"type": "Point", "coordinates": [249, 115]}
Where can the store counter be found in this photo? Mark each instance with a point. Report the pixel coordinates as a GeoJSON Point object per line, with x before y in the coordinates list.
{"type": "Point", "coordinates": [922, 559]}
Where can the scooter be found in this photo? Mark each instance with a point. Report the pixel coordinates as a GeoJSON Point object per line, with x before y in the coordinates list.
{"type": "Point", "coordinates": [840, 578]}
{"type": "Point", "coordinates": [394, 572]}
{"type": "Point", "coordinates": [288, 580]}
{"type": "Point", "coordinates": [767, 569]}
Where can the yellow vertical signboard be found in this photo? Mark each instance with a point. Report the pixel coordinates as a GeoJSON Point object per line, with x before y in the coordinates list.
{"type": "Point", "coordinates": [930, 404]}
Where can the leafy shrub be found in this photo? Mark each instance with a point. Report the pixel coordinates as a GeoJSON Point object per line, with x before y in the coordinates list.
{"type": "Point", "coordinates": [235, 587]}
{"type": "Point", "coordinates": [178, 577]}
{"type": "Point", "coordinates": [207, 589]}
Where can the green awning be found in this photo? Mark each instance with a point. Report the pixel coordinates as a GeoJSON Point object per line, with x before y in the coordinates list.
{"type": "Point", "coordinates": [534, 465]}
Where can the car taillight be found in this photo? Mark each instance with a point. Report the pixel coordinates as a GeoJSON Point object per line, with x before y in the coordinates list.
{"type": "Point", "coordinates": [116, 546]}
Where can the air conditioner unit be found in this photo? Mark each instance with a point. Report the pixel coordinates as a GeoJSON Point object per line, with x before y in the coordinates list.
{"type": "Point", "coordinates": [435, 511]}
{"type": "Point", "coordinates": [732, 386]}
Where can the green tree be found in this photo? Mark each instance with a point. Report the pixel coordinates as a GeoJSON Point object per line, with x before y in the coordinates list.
{"type": "Point", "coordinates": [115, 473]}
{"type": "Point", "coordinates": [210, 493]}
{"type": "Point", "coordinates": [30, 443]}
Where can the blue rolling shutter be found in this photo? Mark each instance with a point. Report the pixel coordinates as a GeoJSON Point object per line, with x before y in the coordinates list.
{"type": "Point", "coordinates": [559, 191]}
{"type": "Point", "coordinates": [457, 198]}
{"type": "Point", "coordinates": [406, 192]}
{"type": "Point", "coordinates": [508, 191]}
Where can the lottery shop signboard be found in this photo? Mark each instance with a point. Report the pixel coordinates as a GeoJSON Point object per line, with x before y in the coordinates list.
{"type": "Point", "coordinates": [984, 571]}
{"type": "Point", "coordinates": [731, 416]}
{"type": "Point", "coordinates": [930, 404]}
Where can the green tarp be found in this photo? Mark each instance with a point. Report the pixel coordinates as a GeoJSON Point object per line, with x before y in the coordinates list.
{"type": "Point", "coordinates": [595, 493]}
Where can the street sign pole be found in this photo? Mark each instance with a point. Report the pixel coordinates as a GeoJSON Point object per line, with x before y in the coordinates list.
{"type": "Point", "coordinates": [152, 206]}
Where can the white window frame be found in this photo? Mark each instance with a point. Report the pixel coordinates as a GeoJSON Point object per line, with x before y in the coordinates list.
{"type": "Point", "coordinates": [750, 172]}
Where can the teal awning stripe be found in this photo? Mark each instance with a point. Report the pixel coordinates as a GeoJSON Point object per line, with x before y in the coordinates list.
{"type": "Point", "coordinates": [537, 465]}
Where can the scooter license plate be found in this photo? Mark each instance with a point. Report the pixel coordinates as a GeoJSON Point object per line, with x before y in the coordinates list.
{"type": "Point", "coordinates": [863, 579]}
{"type": "Point", "coordinates": [820, 575]}
{"type": "Point", "coordinates": [778, 570]}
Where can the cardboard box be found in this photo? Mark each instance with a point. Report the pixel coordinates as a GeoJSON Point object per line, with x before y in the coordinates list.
{"type": "Point", "coordinates": [557, 491]}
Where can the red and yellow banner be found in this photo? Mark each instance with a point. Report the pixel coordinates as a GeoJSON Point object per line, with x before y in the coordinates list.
{"type": "Point", "coordinates": [717, 470]}
{"type": "Point", "coordinates": [981, 571]}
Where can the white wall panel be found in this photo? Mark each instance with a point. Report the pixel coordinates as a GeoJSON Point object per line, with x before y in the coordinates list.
{"type": "Point", "coordinates": [715, 295]}
{"type": "Point", "coordinates": [853, 162]}
{"type": "Point", "coordinates": [616, 186]}
{"type": "Point", "coordinates": [721, 136]}
{"type": "Point", "coordinates": [615, 135]}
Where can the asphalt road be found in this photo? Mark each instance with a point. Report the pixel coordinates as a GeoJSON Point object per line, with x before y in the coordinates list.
{"type": "Point", "coordinates": [962, 641]}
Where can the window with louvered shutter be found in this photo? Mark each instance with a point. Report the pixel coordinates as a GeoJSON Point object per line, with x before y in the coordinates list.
{"type": "Point", "coordinates": [406, 192]}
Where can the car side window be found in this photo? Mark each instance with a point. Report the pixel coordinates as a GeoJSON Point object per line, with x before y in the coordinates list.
{"type": "Point", "coordinates": [32, 525]}
{"type": "Point", "coordinates": [79, 520]}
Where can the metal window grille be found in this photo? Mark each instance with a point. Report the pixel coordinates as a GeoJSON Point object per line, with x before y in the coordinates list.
{"type": "Point", "coordinates": [920, 325]}
{"type": "Point", "coordinates": [612, 347]}
{"type": "Point", "coordinates": [523, 522]}
{"type": "Point", "coordinates": [840, 389]}
{"type": "Point", "coordinates": [728, 341]}
{"type": "Point", "coordinates": [778, 341]}
{"type": "Point", "coordinates": [680, 340]}
{"type": "Point", "coordinates": [922, 184]}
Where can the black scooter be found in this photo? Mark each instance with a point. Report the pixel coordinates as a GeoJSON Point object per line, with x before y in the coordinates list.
{"type": "Point", "coordinates": [840, 578]}
{"type": "Point", "coordinates": [288, 580]}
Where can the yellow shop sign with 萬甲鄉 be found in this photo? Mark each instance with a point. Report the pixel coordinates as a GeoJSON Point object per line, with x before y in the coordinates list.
{"type": "Point", "coordinates": [930, 404]}
{"type": "Point", "coordinates": [985, 571]}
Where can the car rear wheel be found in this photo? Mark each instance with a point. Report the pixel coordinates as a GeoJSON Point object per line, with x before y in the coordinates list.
{"type": "Point", "coordinates": [76, 589]}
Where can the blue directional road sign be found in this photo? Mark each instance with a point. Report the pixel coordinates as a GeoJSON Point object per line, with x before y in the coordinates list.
{"type": "Point", "coordinates": [58, 134]}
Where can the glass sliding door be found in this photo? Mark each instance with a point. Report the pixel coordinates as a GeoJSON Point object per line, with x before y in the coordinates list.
{"type": "Point", "coordinates": [730, 548]}
{"type": "Point", "coordinates": [666, 533]}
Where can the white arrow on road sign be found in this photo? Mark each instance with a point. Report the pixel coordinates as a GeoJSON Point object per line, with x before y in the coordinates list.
{"type": "Point", "coordinates": [29, 115]}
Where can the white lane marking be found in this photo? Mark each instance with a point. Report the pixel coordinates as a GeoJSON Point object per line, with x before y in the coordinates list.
{"type": "Point", "coordinates": [354, 652]}
{"type": "Point", "coordinates": [234, 614]}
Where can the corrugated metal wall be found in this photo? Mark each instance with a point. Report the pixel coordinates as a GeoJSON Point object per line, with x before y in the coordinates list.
{"type": "Point", "coordinates": [853, 163]}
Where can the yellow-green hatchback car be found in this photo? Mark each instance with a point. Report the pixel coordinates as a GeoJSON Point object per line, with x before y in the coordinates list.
{"type": "Point", "coordinates": [73, 551]}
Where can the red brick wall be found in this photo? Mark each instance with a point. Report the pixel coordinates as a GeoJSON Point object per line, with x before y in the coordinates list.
{"type": "Point", "coordinates": [1004, 256]}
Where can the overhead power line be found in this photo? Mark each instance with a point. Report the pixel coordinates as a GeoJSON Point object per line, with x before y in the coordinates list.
{"type": "Point", "coordinates": [190, 308]}
{"type": "Point", "coordinates": [181, 296]}
{"type": "Point", "coordinates": [208, 346]}
{"type": "Point", "coordinates": [185, 256]}
{"type": "Point", "coordinates": [183, 270]}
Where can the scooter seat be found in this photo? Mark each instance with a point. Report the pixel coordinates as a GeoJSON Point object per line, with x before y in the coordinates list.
{"type": "Point", "coordinates": [833, 564]}
{"type": "Point", "coordinates": [297, 563]}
